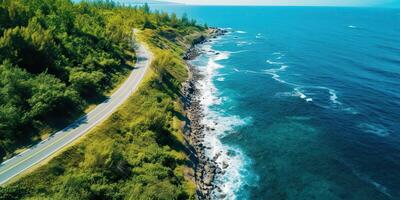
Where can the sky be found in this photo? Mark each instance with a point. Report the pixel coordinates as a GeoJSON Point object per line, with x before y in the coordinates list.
{"type": "Point", "coordinates": [294, 2]}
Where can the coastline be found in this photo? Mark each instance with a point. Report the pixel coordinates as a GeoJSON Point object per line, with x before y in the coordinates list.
{"type": "Point", "coordinates": [206, 168]}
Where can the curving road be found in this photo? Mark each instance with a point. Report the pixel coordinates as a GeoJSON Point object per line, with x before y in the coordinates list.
{"type": "Point", "coordinates": [44, 149]}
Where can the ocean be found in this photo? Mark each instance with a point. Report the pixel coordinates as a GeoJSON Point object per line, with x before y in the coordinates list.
{"type": "Point", "coordinates": [304, 102]}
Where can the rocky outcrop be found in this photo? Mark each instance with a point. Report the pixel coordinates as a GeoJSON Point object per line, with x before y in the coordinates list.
{"type": "Point", "coordinates": [205, 168]}
{"type": "Point", "coordinates": [193, 52]}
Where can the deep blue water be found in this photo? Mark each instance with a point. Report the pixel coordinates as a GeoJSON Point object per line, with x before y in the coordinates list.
{"type": "Point", "coordinates": [305, 100]}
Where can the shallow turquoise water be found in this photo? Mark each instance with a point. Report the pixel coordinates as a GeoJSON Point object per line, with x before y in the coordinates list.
{"type": "Point", "coordinates": [306, 100]}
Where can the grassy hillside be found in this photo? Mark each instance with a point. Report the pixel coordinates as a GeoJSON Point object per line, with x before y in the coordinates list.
{"type": "Point", "coordinates": [57, 58]}
{"type": "Point", "coordinates": [139, 152]}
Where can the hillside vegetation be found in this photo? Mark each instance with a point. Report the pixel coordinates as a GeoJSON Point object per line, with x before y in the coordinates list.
{"type": "Point", "coordinates": [57, 58]}
{"type": "Point", "coordinates": [139, 152]}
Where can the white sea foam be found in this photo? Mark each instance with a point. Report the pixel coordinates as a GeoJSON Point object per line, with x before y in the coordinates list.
{"type": "Point", "coordinates": [220, 125]}
{"type": "Point", "coordinates": [332, 93]}
{"type": "Point", "coordinates": [283, 94]}
{"type": "Point", "coordinates": [279, 55]}
{"type": "Point", "coordinates": [274, 62]}
{"type": "Point", "coordinates": [241, 32]}
{"type": "Point", "coordinates": [241, 51]}
{"type": "Point", "coordinates": [333, 96]}
{"type": "Point", "coordinates": [300, 90]}
{"type": "Point", "coordinates": [295, 93]}
{"type": "Point", "coordinates": [351, 26]}
{"type": "Point", "coordinates": [259, 36]}
{"type": "Point", "coordinates": [243, 43]}
{"type": "Point", "coordinates": [275, 70]}
{"type": "Point", "coordinates": [375, 129]}
{"type": "Point", "coordinates": [220, 79]}
{"type": "Point", "coordinates": [274, 73]}
{"type": "Point", "coordinates": [300, 94]}
{"type": "Point", "coordinates": [277, 77]}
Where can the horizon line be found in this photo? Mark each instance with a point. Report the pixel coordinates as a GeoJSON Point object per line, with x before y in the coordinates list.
{"type": "Point", "coordinates": [266, 5]}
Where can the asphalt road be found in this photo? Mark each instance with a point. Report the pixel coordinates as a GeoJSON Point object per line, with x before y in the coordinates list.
{"type": "Point", "coordinates": [19, 163]}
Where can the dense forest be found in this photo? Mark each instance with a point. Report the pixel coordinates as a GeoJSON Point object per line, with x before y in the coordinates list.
{"type": "Point", "coordinates": [58, 57]}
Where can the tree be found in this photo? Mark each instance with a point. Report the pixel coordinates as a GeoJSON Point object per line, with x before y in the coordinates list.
{"type": "Point", "coordinates": [174, 20]}
{"type": "Point", "coordinates": [12, 193]}
{"type": "Point", "coordinates": [50, 94]}
{"type": "Point", "coordinates": [146, 8]}
{"type": "Point", "coordinates": [76, 186]}
{"type": "Point", "coordinates": [147, 23]}
{"type": "Point", "coordinates": [185, 19]}
{"type": "Point", "coordinates": [29, 47]}
{"type": "Point", "coordinates": [86, 83]}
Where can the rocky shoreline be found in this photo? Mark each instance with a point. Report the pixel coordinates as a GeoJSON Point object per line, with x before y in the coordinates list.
{"type": "Point", "coordinates": [205, 168]}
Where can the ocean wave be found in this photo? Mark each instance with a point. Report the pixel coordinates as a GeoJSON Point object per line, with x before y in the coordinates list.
{"type": "Point", "coordinates": [219, 124]}
{"type": "Point", "coordinates": [333, 98]}
{"type": "Point", "coordinates": [276, 70]}
{"type": "Point", "coordinates": [216, 55]}
{"type": "Point", "coordinates": [276, 77]}
{"type": "Point", "coordinates": [311, 93]}
{"type": "Point", "coordinates": [299, 118]}
{"type": "Point", "coordinates": [241, 51]}
{"type": "Point", "coordinates": [300, 94]}
{"type": "Point", "coordinates": [274, 73]}
{"type": "Point", "coordinates": [352, 26]}
{"type": "Point", "coordinates": [241, 32]}
{"type": "Point", "coordinates": [274, 62]}
{"type": "Point", "coordinates": [279, 55]}
{"type": "Point", "coordinates": [380, 187]}
{"type": "Point", "coordinates": [243, 43]}
{"type": "Point", "coordinates": [231, 159]}
{"type": "Point", "coordinates": [351, 110]}
{"type": "Point", "coordinates": [375, 129]}
{"type": "Point", "coordinates": [223, 55]}
{"type": "Point", "coordinates": [295, 93]}
{"type": "Point", "coordinates": [284, 94]}
{"type": "Point", "coordinates": [220, 79]}
{"type": "Point", "coordinates": [302, 91]}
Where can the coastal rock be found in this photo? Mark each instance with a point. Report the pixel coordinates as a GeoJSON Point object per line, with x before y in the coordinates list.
{"type": "Point", "coordinates": [208, 181]}
{"type": "Point", "coordinates": [222, 196]}
{"type": "Point", "coordinates": [205, 168]}
{"type": "Point", "coordinates": [225, 165]}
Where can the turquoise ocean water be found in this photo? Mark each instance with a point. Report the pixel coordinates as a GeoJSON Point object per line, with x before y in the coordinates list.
{"type": "Point", "coordinates": [304, 101]}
